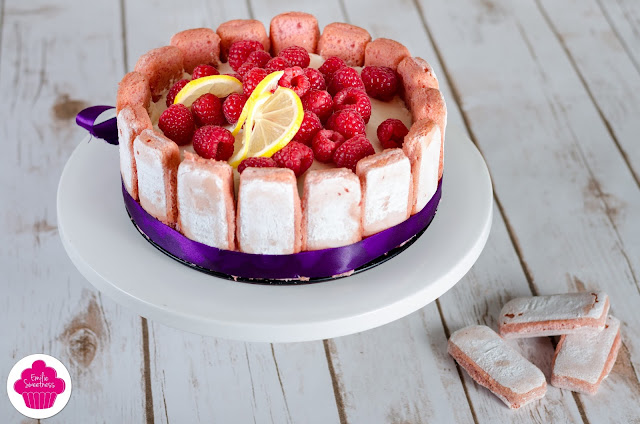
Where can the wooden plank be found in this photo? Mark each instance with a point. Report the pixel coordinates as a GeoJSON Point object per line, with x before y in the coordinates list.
{"type": "Point", "coordinates": [568, 195]}
{"type": "Point", "coordinates": [208, 379]}
{"type": "Point", "coordinates": [411, 363]}
{"type": "Point", "coordinates": [58, 57]}
{"type": "Point", "coordinates": [624, 18]}
{"type": "Point", "coordinates": [605, 68]}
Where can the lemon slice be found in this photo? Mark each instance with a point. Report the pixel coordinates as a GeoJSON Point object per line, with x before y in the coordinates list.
{"type": "Point", "coordinates": [269, 83]}
{"type": "Point", "coordinates": [218, 85]}
{"type": "Point", "coordinates": [272, 122]}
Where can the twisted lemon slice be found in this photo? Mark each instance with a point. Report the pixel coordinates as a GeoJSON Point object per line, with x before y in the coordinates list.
{"type": "Point", "coordinates": [272, 121]}
{"type": "Point", "coordinates": [218, 85]}
{"type": "Point", "coordinates": [268, 84]}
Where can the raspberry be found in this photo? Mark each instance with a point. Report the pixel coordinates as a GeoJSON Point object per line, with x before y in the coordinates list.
{"type": "Point", "coordinates": [174, 90]}
{"type": "Point", "coordinates": [296, 56]}
{"type": "Point", "coordinates": [352, 98]}
{"type": "Point", "coordinates": [295, 79]}
{"type": "Point", "coordinates": [259, 57]}
{"type": "Point", "coordinates": [310, 126]}
{"type": "Point", "coordinates": [315, 79]}
{"type": "Point", "coordinates": [246, 67]}
{"type": "Point", "coordinates": [252, 79]}
{"type": "Point", "coordinates": [331, 65]}
{"type": "Point", "coordinates": [295, 156]}
{"type": "Point", "coordinates": [236, 76]}
{"type": "Point", "coordinates": [343, 78]}
{"type": "Point", "coordinates": [258, 162]}
{"type": "Point", "coordinates": [240, 51]}
{"type": "Point", "coordinates": [325, 143]}
{"type": "Point", "coordinates": [207, 110]}
{"type": "Point", "coordinates": [391, 133]}
{"type": "Point", "coordinates": [212, 142]}
{"type": "Point", "coordinates": [318, 102]}
{"type": "Point", "coordinates": [347, 122]}
{"type": "Point", "coordinates": [232, 107]}
{"type": "Point", "coordinates": [351, 151]}
{"type": "Point", "coordinates": [202, 71]}
{"type": "Point", "coordinates": [277, 64]}
{"type": "Point", "coordinates": [380, 82]}
{"type": "Point", "coordinates": [176, 123]}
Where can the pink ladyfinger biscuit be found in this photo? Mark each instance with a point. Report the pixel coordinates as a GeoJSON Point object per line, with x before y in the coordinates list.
{"type": "Point", "coordinates": [415, 72]}
{"type": "Point", "coordinates": [238, 30]}
{"type": "Point", "coordinates": [206, 210]}
{"type": "Point", "coordinates": [554, 315]}
{"type": "Point", "coordinates": [492, 363]}
{"type": "Point", "coordinates": [131, 120]}
{"type": "Point", "coordinates": [161, 67]}
{"type": "Point", "coordinates": [294, 29]}
{"type": "Point", "coordinates": [422, 147]}
{"type": "Point", "coordinates": [582, 361]}
{"type": "Point", "coordinates": [428, 103]}
{"type": "Point", "coordinates": [133, 90]}
{"type": "Point", "coordinates": [200, 46]}
{"type": "Point", "coordinates": [157, 159]}
{"type": "Point", "coordinates": [331, 209]}
{"type": "Point", "coordinates": [387, 190]}
{"type": "Point", "coordinates": [268, 212]}
{"type": "Point", "coordinates": [385, 52]}
{"type": "Point", "coordinates": [348, 42]}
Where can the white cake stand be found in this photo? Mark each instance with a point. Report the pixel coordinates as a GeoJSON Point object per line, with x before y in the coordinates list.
{"type": "Point", "coordinates": [107, 249]}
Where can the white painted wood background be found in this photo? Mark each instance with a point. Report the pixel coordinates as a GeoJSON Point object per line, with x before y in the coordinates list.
{"type": "Point", "coordinates": [549, 90]}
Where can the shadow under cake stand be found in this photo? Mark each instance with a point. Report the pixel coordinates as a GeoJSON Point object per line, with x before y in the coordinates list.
{"type": "Point", "coordinates": [106, 248]}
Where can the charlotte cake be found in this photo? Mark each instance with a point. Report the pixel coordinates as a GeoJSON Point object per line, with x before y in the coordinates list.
{"type": "Point", "coordinates": [338, 208]}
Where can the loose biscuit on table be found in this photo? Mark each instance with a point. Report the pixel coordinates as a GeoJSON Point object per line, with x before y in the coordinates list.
{"type": "Point", "coordinates": [554, 315]}
{"type": "Point", "coordinates": [582, 361]}
{"type": "Point", "coordinates": [492, 363]}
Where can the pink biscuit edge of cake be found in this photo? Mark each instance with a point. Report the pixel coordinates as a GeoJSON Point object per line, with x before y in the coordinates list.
{"type": "Point", "coordinates": [411, 147]}
{"type": "Point", "coordinates": [170, 161]}
{"type": "Point", "coordinates": [281, 175]}
{"type": "Point", "coordinates": [229, 199]}
{"type": "Point", "coordinates": [232, 31]}
{"type": "Point", "coordinates": [509, 397]}
{"type": "Point", "coordinates": [328, 44]}
{"type": "Point", "coordinates": [141, 117]}
{"type": "Point", "coordinates": [318, 174]}
{"type": "Point", "coordinates": [577, 385]}
{"type": "Point", "coordinates": [162, 67]}
{"type": "Point", "coordinates": [385, 52]}
{"type": "Point", "coordinates": [199, 46]}
{"type": "Point", "coordinates": [554, 327]}
{"type": "Point", "coordinates": [133, 89]}
{"type": "Point", "coordinates": [281, 40]}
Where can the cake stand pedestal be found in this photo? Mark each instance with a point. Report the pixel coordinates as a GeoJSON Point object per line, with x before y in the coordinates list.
{"type": "Point", "coordinates": [106, 248]}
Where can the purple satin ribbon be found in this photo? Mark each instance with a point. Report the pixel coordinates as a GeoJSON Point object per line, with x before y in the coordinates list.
{"type": "Point", "coordinates": [107, 130]}
{"type": "Point", "coordinates": [312, 264]}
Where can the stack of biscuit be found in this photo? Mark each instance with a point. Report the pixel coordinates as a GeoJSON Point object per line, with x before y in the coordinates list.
{"type": "Point", "coordinates": [587, 349]}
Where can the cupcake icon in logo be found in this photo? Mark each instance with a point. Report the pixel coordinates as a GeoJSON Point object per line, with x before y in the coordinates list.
{"type": "Point", "coordinates": [39, 386]}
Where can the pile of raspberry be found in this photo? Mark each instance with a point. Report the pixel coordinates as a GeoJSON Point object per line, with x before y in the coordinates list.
{"type": "Point", "coordinates": [335, 98]}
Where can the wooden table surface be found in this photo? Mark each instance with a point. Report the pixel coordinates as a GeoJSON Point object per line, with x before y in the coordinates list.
{"type": "Point", "coordinates": [549, 90]}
